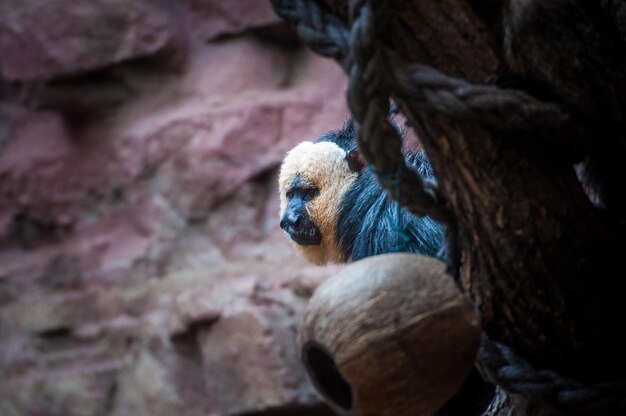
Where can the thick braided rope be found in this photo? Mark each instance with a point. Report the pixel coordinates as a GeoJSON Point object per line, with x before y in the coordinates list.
{"type": "Point", "coordinates": [378, 140]}
{"type": "Point", "coordinates": [427, 89]}
{"type": "Point", "coordinates": [321, 30]}
{"type": "Point", "coordinates": [500, 365]}
{"type": "Point", "coordinates": [423, 87]}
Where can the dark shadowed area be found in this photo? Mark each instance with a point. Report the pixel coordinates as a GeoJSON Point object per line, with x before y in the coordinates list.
{"type": "Point", "coordinates": [142, 269]}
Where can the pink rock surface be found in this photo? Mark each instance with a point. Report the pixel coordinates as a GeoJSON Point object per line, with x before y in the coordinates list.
{"type": "Point", "coordinates": [249, 355]}
{"type": "Point", "coordinates": [212, 18]}
{"type": "Point", "coordinates": [142, 269]}
{"type": "Point", "coordinates": [46, 39]}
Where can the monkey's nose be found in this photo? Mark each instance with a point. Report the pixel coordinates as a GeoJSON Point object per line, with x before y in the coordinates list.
{"type": "Point", "coordinates": [290, 220]}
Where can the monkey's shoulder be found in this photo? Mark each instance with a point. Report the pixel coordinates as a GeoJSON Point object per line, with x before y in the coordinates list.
{"type": "Point", "coordinates": [371, 223]}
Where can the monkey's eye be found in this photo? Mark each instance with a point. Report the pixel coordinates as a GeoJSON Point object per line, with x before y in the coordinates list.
{"type": "Point", "coordinates": [306, 194]}
{"type": "Point", "coordinates": [310, 193]}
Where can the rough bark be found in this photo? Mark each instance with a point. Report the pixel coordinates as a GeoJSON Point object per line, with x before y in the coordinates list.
{"type": "Point", "coordinates": [539, 260]}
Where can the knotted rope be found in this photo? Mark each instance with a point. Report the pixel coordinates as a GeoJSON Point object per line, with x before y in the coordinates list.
{"type": "Point", "coordinates": [427, 89]}
{"type": "Point", "coordinates": [368, 98]}
{"type": "Point", "coordinates": [321, 30]}
{"type": "Point", "coordinates": [500, 365]}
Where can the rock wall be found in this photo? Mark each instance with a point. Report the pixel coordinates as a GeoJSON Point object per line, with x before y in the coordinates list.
{"type": "Point", "coordinates": [142, 269]}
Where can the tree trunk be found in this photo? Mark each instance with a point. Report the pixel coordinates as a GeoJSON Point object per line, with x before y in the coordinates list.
{"type": "Point", "coordinates": [540, 261]}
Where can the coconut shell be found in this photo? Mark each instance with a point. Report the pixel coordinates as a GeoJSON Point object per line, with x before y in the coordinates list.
{"type": "Point", "coordinates": [389, 335]}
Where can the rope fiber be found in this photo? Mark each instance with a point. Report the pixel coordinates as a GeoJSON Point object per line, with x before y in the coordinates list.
{"type": "Point", "coordinates": [499, 364]}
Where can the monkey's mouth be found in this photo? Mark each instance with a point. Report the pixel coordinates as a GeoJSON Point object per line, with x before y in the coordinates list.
{"type": "Point", "coordinates": [305, 236]}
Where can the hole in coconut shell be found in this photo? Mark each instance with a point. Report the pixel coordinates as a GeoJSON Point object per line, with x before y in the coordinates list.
{"type": "Point", "coordinates": [325, 376]}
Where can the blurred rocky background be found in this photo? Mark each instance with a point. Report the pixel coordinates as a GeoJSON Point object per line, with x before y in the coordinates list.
{"type": "Point", "coordinates": [142, 269]}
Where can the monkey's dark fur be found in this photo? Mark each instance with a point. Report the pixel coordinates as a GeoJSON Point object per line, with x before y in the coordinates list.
{"type": "Point", "coordinates": [369, 222]}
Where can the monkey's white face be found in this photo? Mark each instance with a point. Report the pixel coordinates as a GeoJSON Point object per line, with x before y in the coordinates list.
{"type": "Point", "coordinates": [313, 179]}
